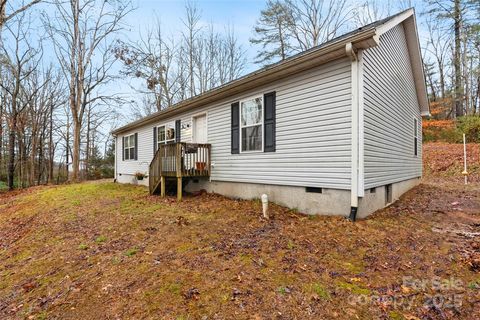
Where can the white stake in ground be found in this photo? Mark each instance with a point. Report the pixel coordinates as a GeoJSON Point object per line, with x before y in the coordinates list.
{"type": "Point", "coordinates": [465, 172]}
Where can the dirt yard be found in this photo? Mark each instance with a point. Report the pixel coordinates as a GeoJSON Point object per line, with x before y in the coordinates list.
{"type": "Point", "coordinates": [109, 251]}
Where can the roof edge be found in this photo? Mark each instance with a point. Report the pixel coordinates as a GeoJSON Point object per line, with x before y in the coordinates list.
{"type": "Point", "coordinates": [295, 64]}
{"type": "Point", "coordinates": [362, 38]}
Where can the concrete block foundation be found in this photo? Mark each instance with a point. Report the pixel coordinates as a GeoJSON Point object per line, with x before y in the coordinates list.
{"type": "Point", "coordinates": [328, 202]}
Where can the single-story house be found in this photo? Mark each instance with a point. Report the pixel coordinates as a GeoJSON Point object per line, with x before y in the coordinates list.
{"type": "Point", "coordinates": [333, 130]}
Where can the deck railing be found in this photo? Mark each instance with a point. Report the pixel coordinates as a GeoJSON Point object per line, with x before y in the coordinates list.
{"type": "Point", "coordinates": [179, 160]}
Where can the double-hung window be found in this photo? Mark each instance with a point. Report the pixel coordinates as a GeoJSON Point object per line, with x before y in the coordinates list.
{"type": "Point", "coordinates": [165, 134]}
{"type": "Point", "coordinates": [251, 124]}
{"type": "Point", "coordinates": [129, 147]}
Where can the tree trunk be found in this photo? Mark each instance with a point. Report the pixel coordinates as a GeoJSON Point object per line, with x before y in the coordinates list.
{"type": "Point", "coordinates": [40, 159]}
{"type": "Point", "coordinates": [11, 151]}
{"type": "Point", "coordinates": [33, 155]}
{"type": "Point", "coordinates": [1, 140]}
{"type": "Point", "coordinates": [88, 147]}
{"type": "Point", "coordinates": [50, 146]}
{"type": "Point", "coordinates": [442, 78]}
{"type": "Point", "coordinates": [67, 151]}
{"type": "Point", "coordinates": [457, 62]}
{"type": "Point", "coordinates": [76, 150]}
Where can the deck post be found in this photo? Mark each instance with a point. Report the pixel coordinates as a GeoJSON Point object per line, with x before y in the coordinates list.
{"type": "Point", "coordinates": [162, 186]}
{"type": "Point", "coordinates": [178, 167]}
{"type": "Point", "coordinates": [179, 188]}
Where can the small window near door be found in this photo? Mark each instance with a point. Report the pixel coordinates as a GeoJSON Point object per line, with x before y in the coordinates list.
{"type": "Point", "coordinates": [415, 137]}
{"type": "Point", "coordinates": [165, 133]}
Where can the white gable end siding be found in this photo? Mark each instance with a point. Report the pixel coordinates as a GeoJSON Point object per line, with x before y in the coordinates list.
{"type": "Point", "coordinates": [390, 106]}
{"type": "Point", "coordinates": [313, 135]}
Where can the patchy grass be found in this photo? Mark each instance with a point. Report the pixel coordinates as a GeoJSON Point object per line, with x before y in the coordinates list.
{"type": "Point", "coordinates": [131, 252]}
{"type": "Point", "coordinates": [103, 250]}
{"type": "Point", "coordinates": [100, 239]}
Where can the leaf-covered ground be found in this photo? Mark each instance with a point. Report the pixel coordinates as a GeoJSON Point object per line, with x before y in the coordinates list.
{"type": "Point", "coordinates": [445, 161]}
{"type": "Point", "coordinates": [109, 251]}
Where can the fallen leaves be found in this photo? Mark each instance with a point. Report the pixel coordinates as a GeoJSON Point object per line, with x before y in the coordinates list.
{"type": "Point", "coordinates": [192, 293]}
{"type": "Point", "coordinates": [211, 257]}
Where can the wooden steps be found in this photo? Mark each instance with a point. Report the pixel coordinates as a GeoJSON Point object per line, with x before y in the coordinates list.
{"type": "Point", "coordinates": [175, 162]}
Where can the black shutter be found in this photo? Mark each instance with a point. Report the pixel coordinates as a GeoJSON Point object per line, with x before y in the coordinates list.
{"type": "Point", "coordinates": [269, 122]}
{"type": "Point", "coordinates": [123, 148]}
{"type": "Point", "coordinates": [178, 128]}
{"type": "Point", "coordinates": [155, 142]}
{"type": "Point", "coordinates": [136, 146]}
{"type": "Point", "coordinates": [235, 143]}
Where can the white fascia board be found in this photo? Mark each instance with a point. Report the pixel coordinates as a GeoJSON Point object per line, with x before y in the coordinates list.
{"type": "Point", "coordinates": [388, 25]}
{"type": "Point", "coordinates": [411, 34]}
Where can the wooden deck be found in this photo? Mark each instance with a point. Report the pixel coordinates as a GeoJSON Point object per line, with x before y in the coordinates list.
{"type": "Point", "coordinates": [178, 160]}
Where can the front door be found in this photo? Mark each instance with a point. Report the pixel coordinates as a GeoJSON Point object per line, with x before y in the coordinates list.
{"type": "Point", "coordinates": [200, 129]}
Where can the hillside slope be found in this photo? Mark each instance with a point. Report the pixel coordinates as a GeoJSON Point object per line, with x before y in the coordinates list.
{"type": "Point", "coordinates": [444, 161]}
{"type": "Point", "coordinates": [108, 251]}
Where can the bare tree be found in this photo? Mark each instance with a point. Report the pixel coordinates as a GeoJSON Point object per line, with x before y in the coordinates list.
{"type": "Point", "coordinates": [297, 25]}
{"type": "Point", "coordinates": [192, 27]}
{"type": "Point", "coordinates": [174, 71]}
{"type": "Point", "coordinates": [82, 33]}
{"type": "Point", "coordinates": [437, 44]}
{"type": "Point", "coordinates": [7, 16]}
{"type": "Point", "coordinates": [317, 21]}
{"type": "Point", "coordinates": [452, 12]}
{"type": "Point", "coordinates": [231, 58]}
{"type": "Point", "coordinates": [20, 61]}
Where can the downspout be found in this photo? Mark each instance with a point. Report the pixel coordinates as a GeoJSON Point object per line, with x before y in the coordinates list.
{"type": "Point", "coordinates": [350, 51]}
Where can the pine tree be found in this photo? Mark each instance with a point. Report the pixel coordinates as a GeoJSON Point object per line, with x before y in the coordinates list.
{"type": "Point", "coordinates": [272, 32]}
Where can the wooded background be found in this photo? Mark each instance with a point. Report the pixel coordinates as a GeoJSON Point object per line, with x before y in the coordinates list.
{"type": "Point", "coordinates": [53, 115]}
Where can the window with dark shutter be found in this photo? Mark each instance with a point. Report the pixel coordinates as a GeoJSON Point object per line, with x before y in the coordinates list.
{"type": "Point", "coordinates": [251, 124]}
{"type": "Point", "coordinates": [129, 147]}
{"type": "Point", "coordinates": [178, 128]}
{"type": "Point", "coordinates": [235, 130]}
{"type": "Point", "coordinates": [269, 121]}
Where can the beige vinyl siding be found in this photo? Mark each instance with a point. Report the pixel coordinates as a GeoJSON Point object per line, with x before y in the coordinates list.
{"type": "Point", "coordinates": [313, 135]}
{"type": "Point", "coordinates": [390, 107]}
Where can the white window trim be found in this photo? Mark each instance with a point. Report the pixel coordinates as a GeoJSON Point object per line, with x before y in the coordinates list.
{"type": "Point", "coordinates": [165, 125]}
{"type": "Point", "coordinates": [262, 123]}
{"type": "Point", "coordinates": [192, 118]}
{"type": "Point", "coordinates": [130, 147]}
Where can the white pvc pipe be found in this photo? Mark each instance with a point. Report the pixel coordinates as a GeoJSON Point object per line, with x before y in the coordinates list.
{"type": "Point", "coordinates": [265, 205]}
